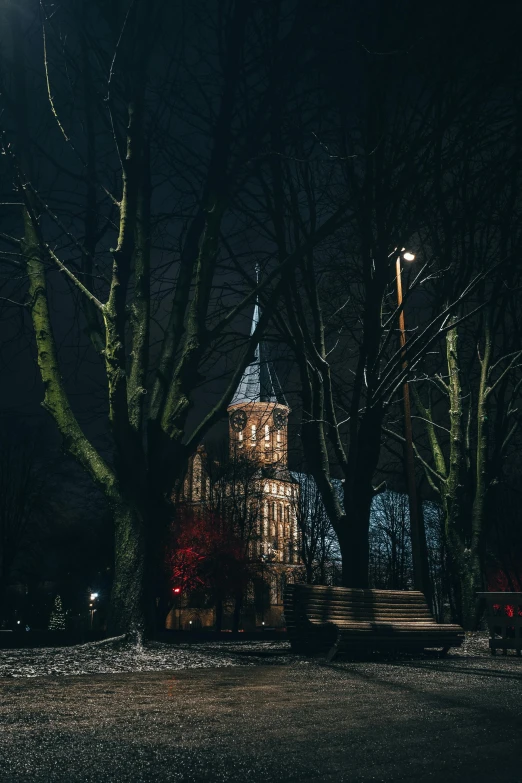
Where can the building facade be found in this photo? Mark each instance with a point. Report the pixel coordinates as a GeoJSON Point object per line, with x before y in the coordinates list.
{"type": "Point", "coordinates": [263, 490]}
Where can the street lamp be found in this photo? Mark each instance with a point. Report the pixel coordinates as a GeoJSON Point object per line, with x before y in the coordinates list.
{"type": "Point", "coordinates": [418, 537]}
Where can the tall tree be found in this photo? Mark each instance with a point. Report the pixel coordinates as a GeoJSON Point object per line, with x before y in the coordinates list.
{"type": "Point", "coordinates": [414, 113]}
{"type": "Point", "coordinates": [469, 398]}
{"type": "Point", "coordinates": [170, 107]}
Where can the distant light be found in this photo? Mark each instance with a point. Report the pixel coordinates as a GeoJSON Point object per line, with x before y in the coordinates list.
{"type": "Point", "coordinates": [409, 256]}
{"type": "Point", "coordinates": [94, 596]}
{"type": "Point", "coordinates": [176, 589]}
{"type": "Point", "coordinates": [18, 622]}
{"type": "Point", "coordinates": [263, 622]}
{"type": "Point", "coordinates": [190, 622]}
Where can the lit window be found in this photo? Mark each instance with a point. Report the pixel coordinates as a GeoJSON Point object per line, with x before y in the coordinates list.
{"type": "Point", "coordinates": [279, 436]}
{"type": "Point", "coordinates": [253, 432]}
{"type": "Point", "coordinates": [267, 432]}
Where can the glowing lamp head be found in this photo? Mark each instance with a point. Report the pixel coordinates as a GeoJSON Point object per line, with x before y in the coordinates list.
{"type": "Point", "coordinates": [409, 256]}
{"type": "Point", "coordinates": [176, 590]}
{"type": "Point", "coordinates": [94, 596]}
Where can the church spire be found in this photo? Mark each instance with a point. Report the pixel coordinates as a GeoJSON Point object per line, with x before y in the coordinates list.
{"type": "Point", "coordinates": [259, 383]}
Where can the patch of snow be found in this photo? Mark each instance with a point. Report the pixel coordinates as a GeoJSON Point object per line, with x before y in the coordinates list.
{"type": "Point", "coordinates": [112, 656]}
{"type": "Point", "coordinates": [117, 655]}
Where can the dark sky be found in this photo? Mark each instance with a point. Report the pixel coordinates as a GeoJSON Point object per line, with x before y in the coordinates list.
{"type": "Point", "coordinates": [438, 32]}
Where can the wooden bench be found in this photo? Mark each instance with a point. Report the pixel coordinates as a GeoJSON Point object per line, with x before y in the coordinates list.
{"type": "Point", "coordinates": [504, 619]}
{"type": "Point", "coordinates": [328, 620]}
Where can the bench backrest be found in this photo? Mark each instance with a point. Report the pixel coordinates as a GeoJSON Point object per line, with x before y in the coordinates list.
{"type": "Point", "coordinates": [324, 604]}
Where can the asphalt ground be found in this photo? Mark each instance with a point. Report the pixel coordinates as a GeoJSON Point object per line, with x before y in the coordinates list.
{"type": "Point", "coordinates": [457, 719]}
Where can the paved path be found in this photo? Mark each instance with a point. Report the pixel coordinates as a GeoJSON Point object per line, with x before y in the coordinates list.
{"type": "Point", "coordinates": [424, 720]}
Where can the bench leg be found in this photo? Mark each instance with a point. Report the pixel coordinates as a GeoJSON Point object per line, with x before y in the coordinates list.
{"type": "Point", "coordinates": [333, 651]}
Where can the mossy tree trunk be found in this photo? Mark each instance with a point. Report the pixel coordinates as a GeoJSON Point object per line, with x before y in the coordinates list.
{"type": "Point", "coordinates": [461, 478]}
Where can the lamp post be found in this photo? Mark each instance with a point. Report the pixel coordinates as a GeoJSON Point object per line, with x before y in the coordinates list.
{"type": "Point", "coordinates": [418, 536]}
{"type": "Point", "coordinates": [92, 598]}
{"type": "Point", "coordinates": [177, 593]}
{"type": "Point", "coordinates": [266, 557]}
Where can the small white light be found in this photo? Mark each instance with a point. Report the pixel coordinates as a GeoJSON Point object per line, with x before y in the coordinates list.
{"type": "Point", "coordinates": [18, 622]}
{"type": "Point", "coordinates": [263, 622]}
{"type": "Point", "coordinates": [94, 596]}
{"type": "Point", "coordinates": [190, 622]}
{"type": "Point", "coordinates": [408, 256]}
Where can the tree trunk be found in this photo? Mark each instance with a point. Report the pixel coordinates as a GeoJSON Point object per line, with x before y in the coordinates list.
{"type": "Point", "coordinates": [219, 614]}
{"type": "Point", "coordinates": [353, 535]}
{"type": "Point", "coordinates": [238, 607]}
{"type": "Point", "coordinates": [471, 583]}
{"type": "Point", "coordinates": [131, 608]}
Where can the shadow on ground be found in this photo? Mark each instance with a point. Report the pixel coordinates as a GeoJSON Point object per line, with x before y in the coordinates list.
{"type": "Point", "coordinates": [400, 720]}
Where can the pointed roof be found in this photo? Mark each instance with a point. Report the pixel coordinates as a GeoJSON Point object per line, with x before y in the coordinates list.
{"type": "Point", "coordinates": [259, 382]}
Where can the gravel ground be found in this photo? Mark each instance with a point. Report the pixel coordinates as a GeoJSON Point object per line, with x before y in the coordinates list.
{"type": "Point", "coordinates": [252, 712]}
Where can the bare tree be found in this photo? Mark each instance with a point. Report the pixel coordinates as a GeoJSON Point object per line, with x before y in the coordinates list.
{"type": "Point", "coordinates": [317, 545]}
{"type": "Point", "coordinates": [340, 313]}
{"type": "Point", "coordinates": [126, 205]}
{"type": "Point", "coordinates": [236, 495]}
{"type": "Point", "coordinates": [468, 401]}
{"type": "Point", "coordinates": [390, 542]}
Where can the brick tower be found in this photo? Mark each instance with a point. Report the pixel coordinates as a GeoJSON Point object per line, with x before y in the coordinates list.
{"type": "Point", "coordinates": [258, 429]}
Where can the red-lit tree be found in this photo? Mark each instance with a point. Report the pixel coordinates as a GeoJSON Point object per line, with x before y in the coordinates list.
{"type": "Point", "coordinates": [205, 553]}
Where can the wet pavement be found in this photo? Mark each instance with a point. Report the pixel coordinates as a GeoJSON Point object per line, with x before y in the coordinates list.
{"type": "Point", "coordinates": [457, 719]}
